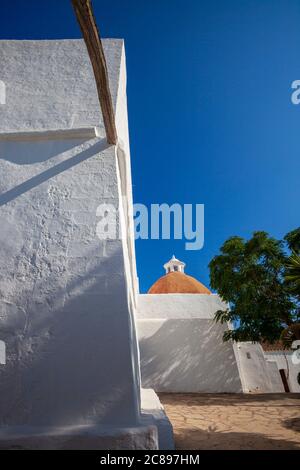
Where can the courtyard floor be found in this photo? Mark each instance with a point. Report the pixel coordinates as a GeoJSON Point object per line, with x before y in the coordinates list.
{"type": "Point", "coordinates": [233, 421]}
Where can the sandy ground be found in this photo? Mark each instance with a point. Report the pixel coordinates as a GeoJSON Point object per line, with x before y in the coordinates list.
{"type": "Point", "coordinates": [225, 421]}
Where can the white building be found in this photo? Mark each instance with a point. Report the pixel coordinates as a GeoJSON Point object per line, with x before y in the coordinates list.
{"type": "Point", "coordinates": [182, 350]}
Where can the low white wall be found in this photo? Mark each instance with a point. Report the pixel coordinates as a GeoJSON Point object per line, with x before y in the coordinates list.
{"type": "Point", "coordinates": [153, 414]}
{"type": "Point", "coordinates": [181, 347]}
{"type": "Point", "coordinates": [275, 381]}
{"type": "Point", "coordinates": [257, 374]}
{"type": "Point", "coordinates": [283, 360]}
{"type": "Point", "coordinates": [152, 306]}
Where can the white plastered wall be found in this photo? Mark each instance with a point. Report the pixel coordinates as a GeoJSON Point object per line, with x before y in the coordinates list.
{"type": "Point", "coordinates": [258, 374]}
{"type": "Point", "coordinates": [66, 297]}
{"type": "Point", "coordinates": [283, 360]}
{"type": "Point", "coordinates": [181, 346]}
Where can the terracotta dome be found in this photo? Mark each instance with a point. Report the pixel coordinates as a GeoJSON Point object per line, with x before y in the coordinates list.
{"type": "Point", "coordinates": [175, 281]}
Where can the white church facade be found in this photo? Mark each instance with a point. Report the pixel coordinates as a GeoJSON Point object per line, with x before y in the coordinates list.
{"type": "Point", "coordinates": [85, 352]}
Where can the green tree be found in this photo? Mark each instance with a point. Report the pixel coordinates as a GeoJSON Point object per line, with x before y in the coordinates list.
{"type": "Point", "coordinates": [293, 240]}
{"type": "Point", "coordinates": [250, 276]}
{"type": "Point", "coordinates": [292, 279]}
{"type": "Point", "coordinates": [292, 271]}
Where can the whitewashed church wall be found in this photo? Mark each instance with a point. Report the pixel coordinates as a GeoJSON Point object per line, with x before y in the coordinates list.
{"type": "Point", "coordinates": [64, 307]}
{"type": "Point", "coordinates": [50, 84]}
{"type": "Point", "coordinates": [179, 306]}
{"type": "Point", "coordinates": [123, 154]}
{"type": "Point", "coordinates": [181, 347]}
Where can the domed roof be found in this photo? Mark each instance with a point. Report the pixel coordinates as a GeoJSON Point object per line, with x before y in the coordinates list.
{"type": "Point", "coordinates": [175, 281]}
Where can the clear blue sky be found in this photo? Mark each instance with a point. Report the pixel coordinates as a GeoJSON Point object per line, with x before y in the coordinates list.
{"type": "Point", "coordinates": [211, 119]}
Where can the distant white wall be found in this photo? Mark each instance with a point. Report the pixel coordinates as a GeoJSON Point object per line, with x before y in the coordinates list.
{"type": "Point", "coordinates": [65, 310]}
{"type": "Point", "coordinates": [181, 346]}
{"type": "Point", "coordinates": [283, 360]}
{"type": "Point", "coordinates": [204, 306]}
{"type": "Point", "coordinates": [258, 375]}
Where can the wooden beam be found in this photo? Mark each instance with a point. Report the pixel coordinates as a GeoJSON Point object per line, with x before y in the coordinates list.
{"type": "Point", "coordinates": [84, 13]}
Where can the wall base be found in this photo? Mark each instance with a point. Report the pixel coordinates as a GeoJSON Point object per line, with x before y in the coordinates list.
{"type": "Point", "coordinates": [153, 413]}
{"type": "Point", "coordinates": [78, 438]}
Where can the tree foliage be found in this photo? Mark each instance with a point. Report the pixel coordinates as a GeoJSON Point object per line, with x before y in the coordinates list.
{"type": "Point", "coordinates": [293, 240]}
{"type": "Point", "coordinates": [250, 275]}
{"type": "Point", "coordinates": [292, 279]}
{"type": "Point", "coordinates": [292, 274]}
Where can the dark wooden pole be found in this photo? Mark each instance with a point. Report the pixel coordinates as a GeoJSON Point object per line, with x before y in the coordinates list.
{"type": "Point", "coordinates": [84, 13]}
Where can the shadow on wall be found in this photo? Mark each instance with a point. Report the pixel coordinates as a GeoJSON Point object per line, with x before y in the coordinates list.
{"type": "Point", "coordinates": [31, 152]}
{"type": "Point", "coordinates": [64, 311]}
{"type": "Point", "coordinates": [68, 362]}
{"type": "Point", "coordinates": [43, 153]}
{"type": "Point", "coordinates": [188, 355]}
